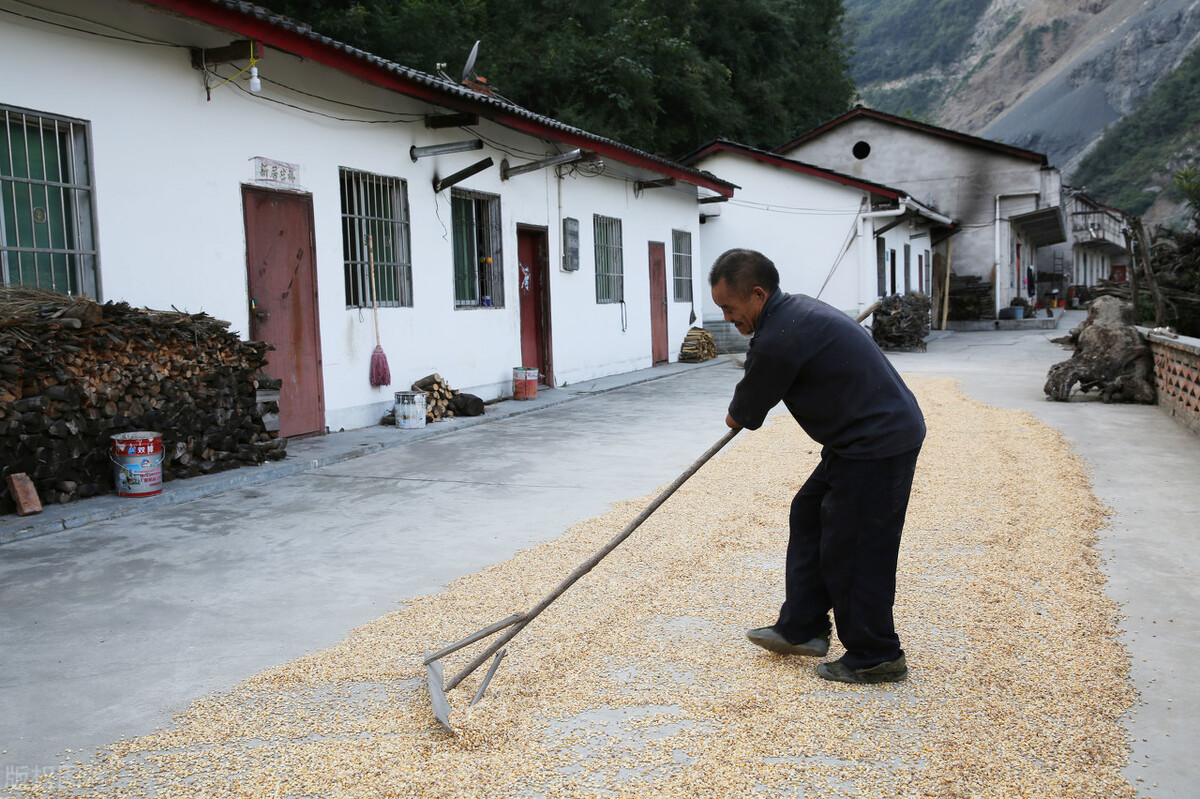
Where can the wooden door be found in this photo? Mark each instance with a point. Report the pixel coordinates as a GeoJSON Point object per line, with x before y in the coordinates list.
{"type": "Point", "coordinates": [659, 347]}
{"type": "Point", "coordinates": [534, 295]}
{"type": "Point", "coordinates": [282, 280]}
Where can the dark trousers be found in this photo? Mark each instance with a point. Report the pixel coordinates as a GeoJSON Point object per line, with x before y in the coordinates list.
{"type": "Point", "coordinates": [845, 537]}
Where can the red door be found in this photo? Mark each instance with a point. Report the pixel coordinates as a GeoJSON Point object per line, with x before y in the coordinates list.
{"type": "Point", "coordinates": [282, 280]}
{"type": "Point", "coordinates": [535, 301]}
{"type": "Point", "coordinates": [658, 302]}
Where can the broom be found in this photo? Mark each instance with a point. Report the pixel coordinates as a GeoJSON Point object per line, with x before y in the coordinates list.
{"type": "Point", "coordinates": [381, 375]}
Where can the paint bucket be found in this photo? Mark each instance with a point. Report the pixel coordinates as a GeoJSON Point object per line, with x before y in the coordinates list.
{"type": "Point", "coordinates": [524, 383]}
{"type": "Point", "coordinates": [137, 463]}
{"type": "Point", "coordinates": [410, 409]}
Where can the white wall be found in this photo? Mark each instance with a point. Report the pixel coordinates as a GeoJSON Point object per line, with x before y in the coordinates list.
{"type": "Point", "coordinates": [170, 165]}
{"type": "Point", "coordinates": [800, 222]}
{"type": "Point", "coordinates": [960, 179]}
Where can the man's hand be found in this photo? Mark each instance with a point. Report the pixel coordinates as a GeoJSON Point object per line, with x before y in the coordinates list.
{"type": "Point", "coordinates": [729, 422]}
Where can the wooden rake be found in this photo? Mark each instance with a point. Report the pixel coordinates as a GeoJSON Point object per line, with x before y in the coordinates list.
{"type": "Point", "coordinates": [514, 624]}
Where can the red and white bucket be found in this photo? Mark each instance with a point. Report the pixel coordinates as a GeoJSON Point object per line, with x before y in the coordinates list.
{"type": "Point", "coordinates": [137, 463]}
{"type": "Point", "coordinates": [524, 383]}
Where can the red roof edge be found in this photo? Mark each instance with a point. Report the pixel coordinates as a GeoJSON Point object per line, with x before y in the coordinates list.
{"type": "Point", "coordinates": [724, 145]}
{"type": "Point", "coordinates": [266, 27]}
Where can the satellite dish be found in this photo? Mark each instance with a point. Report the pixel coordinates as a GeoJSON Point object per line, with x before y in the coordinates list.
{"type": "Point", "coordinates": [470, 62]}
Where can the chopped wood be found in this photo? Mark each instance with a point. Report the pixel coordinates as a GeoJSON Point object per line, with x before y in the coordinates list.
{"type": "Point", "coordinates": [438, 394]}
{"type": "Point", "coordinates": [65, 390]}
{"type": "Point", "coordinates": [698, 345]}
{"type": "Point", "coordinates": [902, 322]}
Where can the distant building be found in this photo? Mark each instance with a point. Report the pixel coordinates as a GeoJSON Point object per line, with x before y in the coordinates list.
{"type": "Point", "coordinates": [1095, 250]}
{"type": "Point", "coordinates": [1006, 201]}
{"type": "Point", "coordinates": [842, 239]}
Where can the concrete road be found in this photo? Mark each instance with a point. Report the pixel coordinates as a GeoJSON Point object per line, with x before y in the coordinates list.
{"type": "Point", "coordinates": [1146, 467]}
{"type": "Point", "coordinates": [111, 627]}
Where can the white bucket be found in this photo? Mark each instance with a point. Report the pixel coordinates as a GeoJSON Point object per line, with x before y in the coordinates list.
{"type": "Point", "coordinates": [410, 409]}
{"type": "Point", "coordinates": [137, 463]}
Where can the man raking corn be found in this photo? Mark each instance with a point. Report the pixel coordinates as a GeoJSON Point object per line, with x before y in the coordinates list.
{"type": "Point", "coordinates": [847, 518]}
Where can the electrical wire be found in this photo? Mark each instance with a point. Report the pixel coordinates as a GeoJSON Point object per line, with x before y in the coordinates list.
{"type": "Point", "coordinates": [851, 235]}
{"type": "Point", "coordinates": [130, 36]}
{"type": "Point", "coordinates": [588, 171]}
{"type": "Point", "coordinates": [793, 210]}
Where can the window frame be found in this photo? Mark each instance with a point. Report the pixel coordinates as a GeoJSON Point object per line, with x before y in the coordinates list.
{"type": "Point", "coordinates": [68, 244]}
{"type": "Point", "coordinates": [477, 283]}
{"type": "Point", "coordinates": [609, 258]}
{"type": "Point", "coordinates": [376, 205]}
{"type": "Point", "coordinates": [681, 265]}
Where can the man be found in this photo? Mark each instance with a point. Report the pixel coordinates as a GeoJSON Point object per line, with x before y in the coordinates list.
{"type": "Point", "coordinates": [847, 518]}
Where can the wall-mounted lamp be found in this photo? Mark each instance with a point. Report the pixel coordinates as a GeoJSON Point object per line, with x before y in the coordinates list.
{"type": "Point", "coordinates": [205, 60]}
{"type": "Point", "coordinates": [640, 186]}
{"type": "Point", "coordinates": [415, 152]}
{"type": "Point", "coordinates": [571, 157]}
{"type": "Point", "coordinates": [460, 175]}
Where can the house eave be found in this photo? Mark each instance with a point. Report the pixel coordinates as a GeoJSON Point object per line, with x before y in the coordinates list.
{"type": "Point", "coordinates": [250, 21]}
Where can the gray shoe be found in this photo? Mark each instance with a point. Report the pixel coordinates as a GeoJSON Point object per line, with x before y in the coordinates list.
{"type": "Point", "coordinates": [890, 671]}
{"type": "Point", "coordinates": [770, 638]}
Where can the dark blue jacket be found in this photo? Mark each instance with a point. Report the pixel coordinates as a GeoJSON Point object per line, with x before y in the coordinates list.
{"type": "Point", "coordinates": [831, 375]}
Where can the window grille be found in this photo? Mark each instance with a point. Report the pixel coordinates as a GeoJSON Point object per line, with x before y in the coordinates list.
{"type": "Point", "coordinates": [376, 206]}
{"type": "Point", "coordinates": [610, 265]}
{"type": "Point", "coordinates": [681, 257]}
{"type": "Point", "coordinates": [478, 265]}
{"type": "Point", "coordinates": [47, 223]}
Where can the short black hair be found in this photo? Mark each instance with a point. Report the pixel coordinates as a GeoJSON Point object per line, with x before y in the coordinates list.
{"type": "Point", "coordinates": [742, 270]}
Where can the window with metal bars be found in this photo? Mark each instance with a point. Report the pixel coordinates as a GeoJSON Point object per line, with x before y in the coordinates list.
{"type": "Point", "coordinates": [478, 265]}
{"type": "Point", "coordinates": [681, 257]}
{"type": "Point", "coordinates": [375, 229]}
{"type": "Point", "coordinates": [610, 264]}
{"type": "Point", "coordinates": [47, 223]}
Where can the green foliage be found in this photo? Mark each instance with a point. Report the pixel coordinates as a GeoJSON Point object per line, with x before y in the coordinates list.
{"type": "Point", "coordinates": [900, 38]}
{"type": "Point", "coordinates": [1008, 27]}
{"type": "Point", "coordinates": [1139, 147]}
{"type": "Point", "coordinates": [916, 100]}
{"type": "Point", "coordinates": [1034, 39]}
{"type": "Point", "coordinates": [1187, 183]}
{"type": "Point", "coordinates": [661, 75]}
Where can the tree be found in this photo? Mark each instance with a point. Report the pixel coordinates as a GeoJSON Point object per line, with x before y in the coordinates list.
{"type": "Point", "coordinates": [661, 75]}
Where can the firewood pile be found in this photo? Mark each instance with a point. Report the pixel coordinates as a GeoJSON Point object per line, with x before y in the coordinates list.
{"type": "Point", "coordinates": [971, 299]}
{"type": "Point", "coordinates": [438, 395]}
{"type": "Point", "coordinates": [73, 373]}
{"type": "Point", "coordinates": [441, 401]}
{"type": "Point", "coordinates": [902, 322]}
{"type": "Point", "coordinates": [698, 345]}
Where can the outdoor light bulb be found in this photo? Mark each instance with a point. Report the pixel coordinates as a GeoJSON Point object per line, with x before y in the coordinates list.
{"type": "Point", "coordinates": [255, 83]}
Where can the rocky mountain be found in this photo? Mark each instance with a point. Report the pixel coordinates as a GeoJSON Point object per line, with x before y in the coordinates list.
{"type": "Point", "coordinates": [1047, 75]}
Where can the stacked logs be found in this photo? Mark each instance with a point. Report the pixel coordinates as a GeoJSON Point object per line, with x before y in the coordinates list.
{"type": "Point", "coordinates": [971, 298]}
{"type": "Point", "coordinates": [437, 397]}
{"type": "Point", "coordinates": [698, 345]}
{"type": "Point", "coordinates": [902, 322]}
{"type": "Point", "coordinates": [73, 373]}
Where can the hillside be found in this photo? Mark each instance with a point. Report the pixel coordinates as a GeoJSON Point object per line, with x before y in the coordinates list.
{"type": "Point", "coordinates": [1159, 137]}
{"type": "Point", "coordinates": [1050, 75]}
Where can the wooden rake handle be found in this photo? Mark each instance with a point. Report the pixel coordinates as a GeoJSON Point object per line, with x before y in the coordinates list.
{"type": "Point", "coordinates": [517, 623]}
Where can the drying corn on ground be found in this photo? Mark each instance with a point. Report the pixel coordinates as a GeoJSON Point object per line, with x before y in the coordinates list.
{"type": "Point", "coordinates": [639, 680]}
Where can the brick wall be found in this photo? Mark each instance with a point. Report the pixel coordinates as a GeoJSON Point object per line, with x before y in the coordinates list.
{"type": "Point", "coordinates": [1177, 377]}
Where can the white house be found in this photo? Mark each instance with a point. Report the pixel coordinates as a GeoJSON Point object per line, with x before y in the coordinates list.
{"type": "Point", "coordinates": [1094, 250]}
{"type": "Point", "coordinates": [209, 155]}
{"type": "Point", "coordinates": [842, 239]}
{"type": "Point", "coordinates": [1006, 200]}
